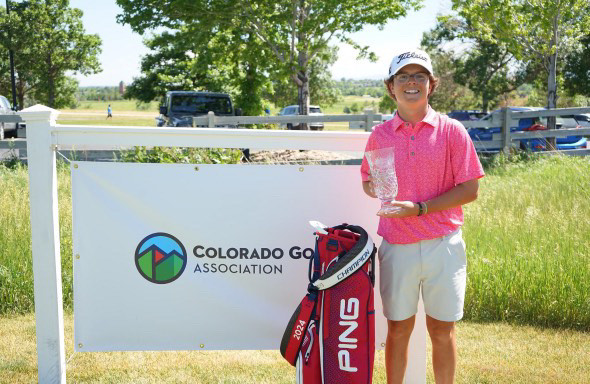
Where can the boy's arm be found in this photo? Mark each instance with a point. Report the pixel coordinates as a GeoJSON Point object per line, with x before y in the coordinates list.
{"type": "Point", "coordinates": [460, 194]}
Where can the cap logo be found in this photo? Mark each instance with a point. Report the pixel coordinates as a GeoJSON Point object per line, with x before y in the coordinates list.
{"type": "Point", "coordinates": [409, 55]}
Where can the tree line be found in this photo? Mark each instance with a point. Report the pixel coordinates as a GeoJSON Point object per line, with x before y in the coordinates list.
{"type": "Point", "coordinates": [254, 49]}
{"type": "Point", "coordinates": [48, 40]}
{"type": "Point", "coordinates": [482, 51]}
{"type": "Point", "coordinates": [504, 44]}
{"type": "Point", "coordinates": [362, 87]}
{"type": "Point", "coordinates": [281, 52]}
{"type": "Point", "coordinates": [107, 93]}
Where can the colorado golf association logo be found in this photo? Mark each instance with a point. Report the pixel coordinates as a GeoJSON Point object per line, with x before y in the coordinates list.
{"type": "Point", "coordinates": [160, 258]}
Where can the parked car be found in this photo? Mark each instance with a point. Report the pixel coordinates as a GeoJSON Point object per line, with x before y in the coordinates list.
{"type": "Point", "coordinates": [293, 110]}
{"type": "Point", "coordinates": [180, 107]}
{"type": "Point", "coordinates": [583, 120]}
{"type": "Point", "coordinates": [466, 114]}
{"type": "Point", "coordinates": [569, 142]}
{"type": "Point", "coordinates": [7, 129]}
{"type": "Point", "coordinates": [481, 135]}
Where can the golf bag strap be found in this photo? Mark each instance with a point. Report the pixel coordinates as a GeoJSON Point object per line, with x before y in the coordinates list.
{"type": "Point", "coordinates": [350, 262]}
{"type": "Point", "coordinates": [295, 331]}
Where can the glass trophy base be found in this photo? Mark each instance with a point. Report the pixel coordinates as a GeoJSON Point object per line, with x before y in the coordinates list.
{"type": "Point", "coordinates": [388, 209]}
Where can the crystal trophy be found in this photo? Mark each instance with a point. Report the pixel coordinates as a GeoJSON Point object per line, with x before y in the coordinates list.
{"type": "Point", "coordinates": [382, 165]}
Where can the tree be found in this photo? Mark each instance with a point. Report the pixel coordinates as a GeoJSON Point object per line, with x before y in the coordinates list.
{"type": "Point", "coordinates": [230, 63]}
{"type": "Point", "coordinates": [322, 88]}
{"type": "Point", "coordinates": [449, 94]}
{"type": "Point", "coordinates": [4, 69]}
{"type": "Point", "coordinates": [17, 34]}
{"type": "Point", "coordinates": [48, 40]}
{"type": "Point", "coordinates": [174, 65]}
{"type": "Point", "coordinates": [487, 68]}
{"type": "Point", "coordinates": [292, 32]}
{"type": "Point", "coordinates": [544, 30]}
{"type": "Point", "coordinates": [63, 89]}
{"type": "Point", "coordinates": [577, 70]}
{"type": "Point", "coordinates": [386, 104]}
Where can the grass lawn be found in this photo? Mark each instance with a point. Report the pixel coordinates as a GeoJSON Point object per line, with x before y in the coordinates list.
{"type": "Point", "coordinates": [488, 353]}
{"type": "Point", "coordinates": [97, 120]}
{"type": "Point", "coordinates": [527, 308]}
{"type": "Point", "coordinates": [117, 105]}
{"type": "Point", "coordinates": [347, 101]}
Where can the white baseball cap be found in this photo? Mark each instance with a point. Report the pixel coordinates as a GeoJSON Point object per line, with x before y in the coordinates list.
{"type": "Point", "coordinates": [412, 56]}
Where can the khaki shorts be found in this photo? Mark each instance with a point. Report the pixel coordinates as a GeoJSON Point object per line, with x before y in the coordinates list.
{"type": "Point", "coordinates": [438, 265]}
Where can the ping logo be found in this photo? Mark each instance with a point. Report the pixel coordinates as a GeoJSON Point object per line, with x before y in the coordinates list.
{"type": "Point", "coordinates": [349, 314]}
{"type": "Point", "coordinates": [160, 258]}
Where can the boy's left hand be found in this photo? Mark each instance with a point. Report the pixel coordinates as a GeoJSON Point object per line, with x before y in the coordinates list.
{"type": "Point", "coordinates": [405, 209]}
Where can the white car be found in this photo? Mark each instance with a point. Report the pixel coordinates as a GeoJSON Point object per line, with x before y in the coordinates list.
{"type": "Point", "coordinates": [583, 120]}
{"type": "Point", "coordinates": [293, 110]}
{"type": "Point", "coordinates": [7, 128]}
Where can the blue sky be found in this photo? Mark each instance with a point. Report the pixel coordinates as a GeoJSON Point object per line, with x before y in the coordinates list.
{"type": "Point", "coordinates": [122, 49]}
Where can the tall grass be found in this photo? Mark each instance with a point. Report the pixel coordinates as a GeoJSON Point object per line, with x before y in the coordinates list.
{"type": "Point", "coordinates": [528, 237]}
{"type": "Point", "coordinates": [16, 270]}
{"type": "Point", "coordinates": [528, 242]}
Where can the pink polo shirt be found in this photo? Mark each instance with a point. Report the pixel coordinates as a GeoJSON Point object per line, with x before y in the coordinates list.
{"type": "Point", "coordinates": [431, 157]}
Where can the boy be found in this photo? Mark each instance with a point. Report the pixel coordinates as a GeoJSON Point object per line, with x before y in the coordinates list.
{"type": "Point", "coordinates": [437, 172]}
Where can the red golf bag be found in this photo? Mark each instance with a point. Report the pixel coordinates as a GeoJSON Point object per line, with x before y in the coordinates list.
{"type": "Point", "coordinates": [330, 338]}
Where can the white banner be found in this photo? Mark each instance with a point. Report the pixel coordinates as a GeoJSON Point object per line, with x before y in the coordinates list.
{"type": "Point", "coordinates": [184, 257]}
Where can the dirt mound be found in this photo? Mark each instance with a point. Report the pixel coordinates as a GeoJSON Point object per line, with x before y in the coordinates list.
{"type": "Point", "coordinates": [296, 156]}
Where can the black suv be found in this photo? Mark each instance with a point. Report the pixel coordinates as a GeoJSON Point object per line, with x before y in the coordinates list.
{"type": "Point", "coordinates": [180, 107]}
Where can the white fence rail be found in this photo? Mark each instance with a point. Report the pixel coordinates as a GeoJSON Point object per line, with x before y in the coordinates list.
{"type": "Point", "coordinates": [86, 137]}
{"type": "Point", "coordinates": [509, 118]}
{"type": "Point", "coordinates": [363, 122]}
{"type": "Point", "coordinates": [504, 139]}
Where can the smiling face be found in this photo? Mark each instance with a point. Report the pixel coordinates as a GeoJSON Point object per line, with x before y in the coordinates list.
{"type": "Point", "coordinates": [412, 94]}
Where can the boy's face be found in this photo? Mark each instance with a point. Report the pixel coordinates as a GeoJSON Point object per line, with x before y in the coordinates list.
{"type": "Point", "coordinates": [411, 94]}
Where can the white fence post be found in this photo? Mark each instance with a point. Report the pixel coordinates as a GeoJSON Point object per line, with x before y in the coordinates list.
{"type": "Point", "coordinates": [506, 124]}
{"type": "Point", "coordinates": [369, 119]}
{"type": "Point", "coordinates": [211, 119]}
{"type": "Point", "coordinates": [45, 239]}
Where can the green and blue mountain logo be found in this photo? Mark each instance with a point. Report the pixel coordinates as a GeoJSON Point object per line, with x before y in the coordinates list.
{"type": "Point", "coordinates": [160, 258]}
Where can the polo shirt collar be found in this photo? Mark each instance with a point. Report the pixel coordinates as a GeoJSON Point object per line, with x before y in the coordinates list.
{"type": "Point", "coordinates": [429, 119]}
